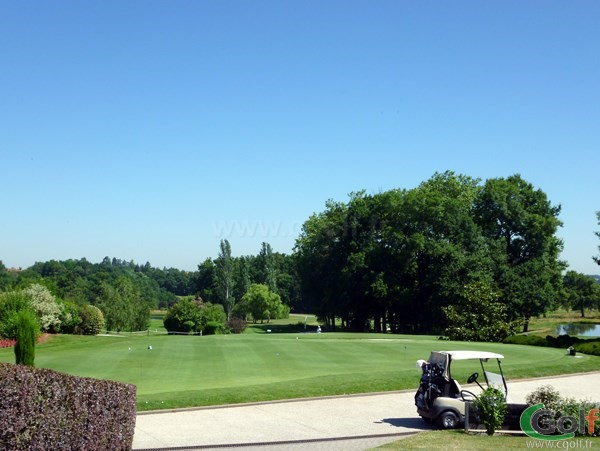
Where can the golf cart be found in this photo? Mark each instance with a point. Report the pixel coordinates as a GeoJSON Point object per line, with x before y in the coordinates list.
{"type": "Point", "coordinates": [440, 398]}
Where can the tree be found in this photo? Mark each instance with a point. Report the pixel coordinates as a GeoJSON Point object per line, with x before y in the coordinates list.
{"type": "Point", "coordinates": [519, 225]}
{"type": "Point", "coordinates": [393, 258]}
{"type": "Point", "coordinates": [263, 304]}
{"type": "Point", "coordinates": [268, 270]}
{"type": "Point", "coordinates": [184, 316]}
{"type": "Point", "coordinates": [206, 281]}
{"type": "Point", "coordinates": [320, 258]}
{"type": "Point", "coordinates": [478, 316]}
{"type": "Point", "coordinates": [123, 306]}
{"type": "Point", "coordinates": [225, 276]}
{"type": "Point", "coordinates": [27, 331]}
{"type": "Point", "coordinates": [194, 316]}
{"type": "Point", "coordinates": [439, 248]}
{"type": "Point", "coordinates": [581, 291]}
{"type": "Point", "coordinates": [597, 259]}
{"type": "Point", "coordinates": [5, 278]}
{"type": "Point", "coordinates": [44, 304]}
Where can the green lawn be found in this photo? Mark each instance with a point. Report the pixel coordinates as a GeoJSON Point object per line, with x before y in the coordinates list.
{"type": "Point", "coordinates": [459, 440]}
{"type": "Point", "coordinates": [192, 371]}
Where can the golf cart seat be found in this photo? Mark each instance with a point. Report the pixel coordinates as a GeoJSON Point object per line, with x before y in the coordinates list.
{"type": "Point", "coordinates": [456, 389]}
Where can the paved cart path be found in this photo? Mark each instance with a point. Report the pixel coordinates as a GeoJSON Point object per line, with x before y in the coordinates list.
{"type": "Point", "coordinates": [377, 418]}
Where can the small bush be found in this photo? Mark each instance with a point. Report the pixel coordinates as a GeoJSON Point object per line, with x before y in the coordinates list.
{"type": "Point", "coordinates": [562, 341]}
{"type": "Point", "coordinates": [491, 409]}
{"type": "Point", "coordinates": [591, 348]}
{"type": "Point", "coordinates": [237, 325]}
{"type": "Point", "coordinates": [547, 395]}
{"type": "Point", "coordinates": [213, 328]}
{"type": "Point", "coordinates": [41, 408]}
{"type": "Point", "coordinates": [530, 340]}
{"type": "Point", "coordinates": [70, 319]}
{"type": "Point", "coordinates": [92, 320]}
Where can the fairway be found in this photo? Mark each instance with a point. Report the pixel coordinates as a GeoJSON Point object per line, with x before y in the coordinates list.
{"type": "Point", "coordinates": [184, 371]}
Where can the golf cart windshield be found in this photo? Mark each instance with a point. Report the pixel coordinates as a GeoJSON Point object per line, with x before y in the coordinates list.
{"type": "Point", "coordinates": [495, 380]}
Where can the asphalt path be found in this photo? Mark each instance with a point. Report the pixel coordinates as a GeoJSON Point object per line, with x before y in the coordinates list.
{"type": "Point", "coordinates": [354, 422]}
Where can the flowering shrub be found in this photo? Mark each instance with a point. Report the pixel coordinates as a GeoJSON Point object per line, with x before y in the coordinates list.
{"type": "Point", "coordinates": [547, 395]}
{"type": "Point", "coordinates": [6, 343]}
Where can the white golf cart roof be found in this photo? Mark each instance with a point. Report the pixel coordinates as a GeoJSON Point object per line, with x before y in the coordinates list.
{"type": "Point", "coordinates": [467, 355]}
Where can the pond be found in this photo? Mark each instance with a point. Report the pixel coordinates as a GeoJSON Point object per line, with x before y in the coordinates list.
{"type": "Point", "coordinates": [585, 330]}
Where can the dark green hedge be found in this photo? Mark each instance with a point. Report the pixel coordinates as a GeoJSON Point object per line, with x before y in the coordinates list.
{"type": "Point", "coordinates": [531, 340]}
{"type": "Point", "coordinates": [590, 346]}
{"type": "Point", "coordinates": [43, 409]}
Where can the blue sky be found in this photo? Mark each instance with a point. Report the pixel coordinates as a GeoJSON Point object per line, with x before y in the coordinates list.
{"type": "Point", "coordinates": [150, 130]}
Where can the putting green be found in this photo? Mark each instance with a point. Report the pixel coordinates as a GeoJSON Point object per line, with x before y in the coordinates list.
{"type": "Point", "coordinates": [190, 370]}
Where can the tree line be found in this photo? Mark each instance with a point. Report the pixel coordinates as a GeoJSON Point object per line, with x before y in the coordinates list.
{"type": "Point", "coordinates": [398, 259]}
{"type": "Point", "coordinates": [420, 260]}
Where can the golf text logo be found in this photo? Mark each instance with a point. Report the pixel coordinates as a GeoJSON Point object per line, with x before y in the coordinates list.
{"type": "Point", "coordinates": [540, 423]}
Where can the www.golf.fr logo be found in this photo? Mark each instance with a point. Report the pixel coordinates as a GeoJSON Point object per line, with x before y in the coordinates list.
{"type": "Point", "coordinates": [540, 423]}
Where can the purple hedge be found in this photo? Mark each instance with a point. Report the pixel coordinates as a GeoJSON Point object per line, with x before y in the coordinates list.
{"type": "Point", "coordinates": [42, 409]}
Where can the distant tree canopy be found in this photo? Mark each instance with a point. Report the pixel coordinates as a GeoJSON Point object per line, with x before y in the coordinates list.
{"type": "Point", "coordinates": [192, 316]}
{"type": "Point", "coordinates": [403, 260]}
{"type": "Point", "coordinates": [262, 304]}
{"type": "Point", "coordinates": [580, 292]}
{"type": "Point", "coordinates": [597, 258]}
{"type": "Point", "coordinates": [80, 281]}
{"type": "Point", "coordinates": [399, 257]}
{"type": "Point", "coordinates": [230, 277]}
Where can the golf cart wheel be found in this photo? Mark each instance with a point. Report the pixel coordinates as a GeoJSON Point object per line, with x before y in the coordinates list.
{"type": "Point", "coordinates": [448, 420]}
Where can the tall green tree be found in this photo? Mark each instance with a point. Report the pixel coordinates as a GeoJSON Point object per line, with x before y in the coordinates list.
{"type": "Point", "coordinates": [123, 306]}
{"type": "Point", "coordinates": [225, 276]}
{"type": "Point", "coordinates": [242, 275]}
{"type": "Point", "coordinates": [445, 250]}
{"type": "Point", "coordinates": [320, 258]}
{"type": "Point", "coordinates": [478, 315]}
{"type": "Point", "coordinates": [397, 258]}
{"type": "Point", "coordinates": [206, 281]}
{"type": "Point", "coordinates": [597, 258]}
{"type": "Point", "coordinates": [519, 224]}
{"type": "Point", "coordinates": [263, 304]}
{"type": "Point", "coordinates": [267, 267]}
